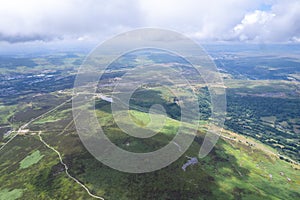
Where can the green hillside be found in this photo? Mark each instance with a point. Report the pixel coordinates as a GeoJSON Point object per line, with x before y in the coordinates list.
{"type": "Point", "coordinates": [235, 169]}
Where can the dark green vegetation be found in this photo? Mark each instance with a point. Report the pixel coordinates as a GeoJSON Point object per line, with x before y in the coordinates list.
{"type": "Point", "coordinates": [271, 117]}
{"type": "Point", "coordinates": [265, 110]}
{"type": "Point", "coordinates": [263, 93]}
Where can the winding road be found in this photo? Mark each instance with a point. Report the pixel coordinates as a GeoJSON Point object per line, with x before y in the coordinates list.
{"type": "Point", "coordinates": [50, 147]}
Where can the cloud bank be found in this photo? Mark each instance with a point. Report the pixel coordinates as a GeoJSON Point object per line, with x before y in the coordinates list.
{"type": "Point", "coordinates": [93, 20]}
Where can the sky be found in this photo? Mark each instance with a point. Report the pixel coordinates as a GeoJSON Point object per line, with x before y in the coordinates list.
{"type": "Point", "coordinates": [57, 22]}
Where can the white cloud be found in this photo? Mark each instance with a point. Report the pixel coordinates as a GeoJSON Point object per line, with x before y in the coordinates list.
{"type": "Point", "coordinates": [49, 19]}
{"type": "Point", "coordinates": [201, 19]}
{"type": "Point", "coordinates": [214, 20]}
{"type": "Point", "coordinates": [280, 24]}
{"type": "Point", "coordinates": [253, 25]}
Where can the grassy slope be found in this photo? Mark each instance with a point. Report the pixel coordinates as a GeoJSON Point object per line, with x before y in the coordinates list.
{"type": "Point", "coordinates": [232, 170]}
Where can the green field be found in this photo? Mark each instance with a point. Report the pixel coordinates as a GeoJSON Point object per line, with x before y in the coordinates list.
{"type": "Point", "coordinates": [11, 195]}
{"type": "Point", "coordinates": [31, 159]}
